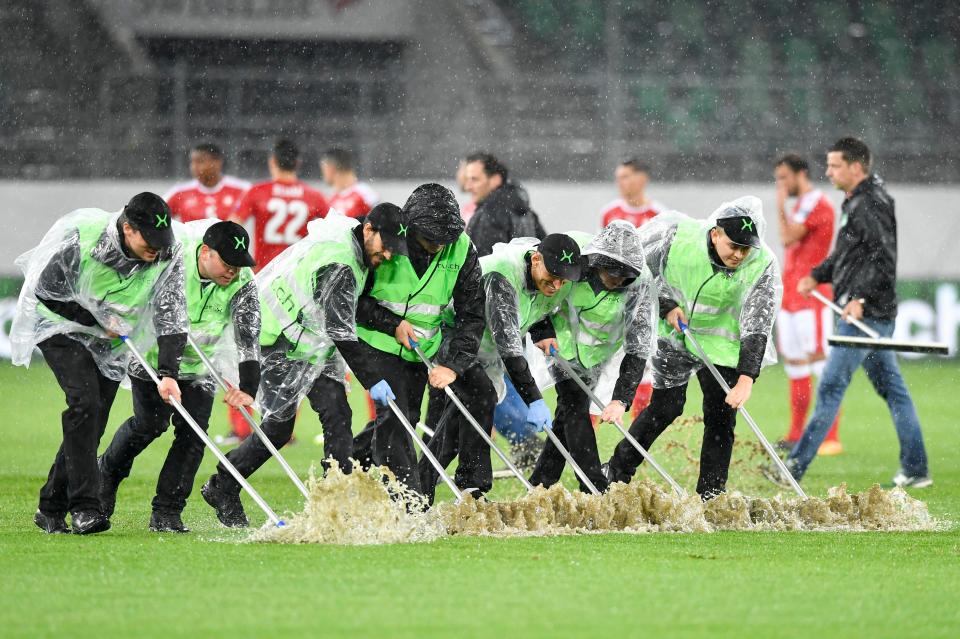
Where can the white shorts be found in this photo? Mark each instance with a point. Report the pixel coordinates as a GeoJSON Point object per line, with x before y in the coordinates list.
{"type": "Point", "coordinates": [802, 335]}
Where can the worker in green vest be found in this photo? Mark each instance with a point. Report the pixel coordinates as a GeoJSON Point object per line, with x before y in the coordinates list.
{"type": "Point", "coordinates": [221, 294]}
{"type": "Point", "coordinates": [605, 321]}
{"type": "Point", "coordinates": [308, 303]}
{"type": "Point", "coordinates": [721, 280]}
{"type": "Point", "coordinates": [403, 304]}
{"type": "Point", "coordinates": [93, 278]}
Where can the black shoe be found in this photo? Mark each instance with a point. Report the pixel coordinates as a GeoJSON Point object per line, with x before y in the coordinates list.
{"type": "Point", "coordinates": [167, 522]}
{"type": "Point", "coordinates": [89, 522]}
{"type": "Point", "coordinates": [227, 504]}
{"type": "Point", "coordinates": [51, 523]}
{"type": "Point", "coordinates": [108, 490]}
{"type": "Point", "coordinates": [612, 476]}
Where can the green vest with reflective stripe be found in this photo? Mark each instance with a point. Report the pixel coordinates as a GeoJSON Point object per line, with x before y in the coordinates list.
{"type": "Point", "coordinates": [691, 277]}
{"type": "Point", "coordinates": [124, 297]}
{"type": "Point", "coordinates": [590, 326]}
{"type": "Point", "coordinates": [510, 261]}
{"type": "Point", "coordinates": [419, 300]}
{"type": "Point", "coordinates": [209, 309]}
{"type": "Point", "coordinates": [287, 303]}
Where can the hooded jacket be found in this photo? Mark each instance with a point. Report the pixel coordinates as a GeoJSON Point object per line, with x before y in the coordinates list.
{"type": "Point", "coordinates": [502, 216]}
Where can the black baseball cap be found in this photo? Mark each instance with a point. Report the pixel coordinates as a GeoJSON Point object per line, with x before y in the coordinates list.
{"type": "Point", "coordinates": [231, 241]}
{"type": "Point", "coordinates": [561, 256]}
{"type": "Point", "coordinates": [148, 213]}
{"type": "Point", "coordinates": [741, 230]}
{"type": "Point", "coordinates": [614, 267]}
{"type": "Point", "coordinates": [388, 220]}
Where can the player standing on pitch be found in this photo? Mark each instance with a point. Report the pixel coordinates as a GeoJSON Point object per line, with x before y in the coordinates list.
{"type": "Point", "coordinates": [718, 278]}
{"type": "Point", "coordinates": [350, 196]}
{"type": "Point", "coordinates": [863, 271]}
{"type": "Point", "coordinates": [94, 277]}
{"type": "Point", "coordinates": [802, 327]}
{"type": "Point", "coordinates": [210, 194]}
{"type": "Point", "coordinates": [220, 292]}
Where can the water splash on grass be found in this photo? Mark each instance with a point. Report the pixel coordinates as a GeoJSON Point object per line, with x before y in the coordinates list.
{"type": "Point", "coordinates": [374, 508]}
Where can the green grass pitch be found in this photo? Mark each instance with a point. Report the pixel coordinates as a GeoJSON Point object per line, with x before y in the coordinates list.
{"type": "Point", "coordinates": [133, 583]}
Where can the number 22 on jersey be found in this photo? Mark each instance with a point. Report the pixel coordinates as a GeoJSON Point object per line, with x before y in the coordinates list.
{"type": "Point", "coordinates": [288, 217]}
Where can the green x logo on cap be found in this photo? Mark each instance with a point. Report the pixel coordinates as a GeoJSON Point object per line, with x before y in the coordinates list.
{"type": "Point", "coordinates": [402, 231]}
{"type": "Point", "coordinates": [239, 242]}
{"type": "Point", "coordinates": [566, 257]}
{"type": "Point", "coordinates": [747, 225]}
{"type": "Point", "coordinates": [161, 220]}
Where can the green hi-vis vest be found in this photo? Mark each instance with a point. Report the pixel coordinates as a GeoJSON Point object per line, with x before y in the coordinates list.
{"type": "Point", "coordinates": [287, 303]}
{"type": "Point", "coordinates": [715, 320]}
{"type": "Point", "coordinates": [208, 308]}
{"type": "Point", "coordinates": [510, 261]}
{"type": "Point", "coordinates": [419, 300]}
{"type": "Point", "coordinates": [123, 297]}
{"type": "Point", "coordinates": [590, 326]}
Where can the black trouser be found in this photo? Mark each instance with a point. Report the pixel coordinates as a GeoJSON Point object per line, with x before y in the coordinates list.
{"type": "Point", "coordinates": [573, 428]}
{"type": "Point", "coordinates": [455, 436]}
{"type": "Point", "coordinates": [666, 404]}
{"type": "Point", "coordinates": [151, 417]}
{"type": "Point", "coordinates": [74, 480]}
{"type": "Point", "coordinates": [384, 441]}
{"type": "Point", "coordinates": [328, 398]}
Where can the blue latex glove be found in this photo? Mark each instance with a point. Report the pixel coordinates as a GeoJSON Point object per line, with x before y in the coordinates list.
{"type": "Point", "coordinates": [539, 415]}
{"type": "Point", "coordinates": [382, 393]}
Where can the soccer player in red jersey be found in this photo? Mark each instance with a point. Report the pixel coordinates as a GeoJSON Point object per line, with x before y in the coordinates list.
{"type": "Point", "coordinates": [281, 207]}
{"type": "Point", "coordinates": [804, 323]}
{"type": "Point", "coordinates": [280, 210]}
{"type": "Point", "coordinates": [350, 196]}
{"type": "Point", "coordinates": [633, 205]}
{"type": "Point", "coordinates": [210, 194]}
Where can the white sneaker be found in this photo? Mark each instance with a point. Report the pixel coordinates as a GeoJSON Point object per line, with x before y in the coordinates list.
{"type": "Point", "coordinates": [902, 480]}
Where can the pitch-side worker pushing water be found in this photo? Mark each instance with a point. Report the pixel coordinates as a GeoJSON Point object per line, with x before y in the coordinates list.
{"type": "Point", "coordinates": [308, 298]}
{"type": "Point", "coordinates": [220, 292]}
{"type": "Point", "coordinates": [720, 283]}
{"type": "Point", "coordinates": [90, 280]}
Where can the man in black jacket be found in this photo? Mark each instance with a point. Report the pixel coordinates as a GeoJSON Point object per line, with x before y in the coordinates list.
{"type": "Point", "coordinates": [503, 208]}
{"type": "Point", "coordinates": [863, 271]}
{"type": "Point", "coordinates": [407, 302]}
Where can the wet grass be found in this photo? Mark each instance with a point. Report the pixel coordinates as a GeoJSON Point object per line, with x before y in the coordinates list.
{"type": "Point", "coordinates": [130, 582]}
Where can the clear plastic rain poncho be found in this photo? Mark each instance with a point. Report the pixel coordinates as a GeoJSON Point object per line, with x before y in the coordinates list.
{"type": "Point", "coordinates": [239, 342]}
{"type": "Point", "coordinates": [328, 314]}
{"type": "Point", "coordinates": [52, 271]}
{"type": "Point", "coordinates": [672, 366]}
{"type": "Point", "coordinates": [506, 333]}
{"type": "Point", "coordinates": [620, 242]}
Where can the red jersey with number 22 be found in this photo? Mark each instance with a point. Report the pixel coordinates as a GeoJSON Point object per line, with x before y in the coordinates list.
{"type": "Point", "coordinates": [280, 212]}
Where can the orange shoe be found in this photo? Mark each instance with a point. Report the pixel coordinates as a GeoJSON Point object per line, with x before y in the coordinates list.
{"type": "Point", "coordinates": [830, 448]}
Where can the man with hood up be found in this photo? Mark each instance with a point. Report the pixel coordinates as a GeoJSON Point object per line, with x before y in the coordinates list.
{"type": "Point", "coordinates": [608, 312]}
{"type": "Point", "coordinates": [407, 302]}
{"type": "Point", "coordinates": [96, 276]}
{"type": "Point", "coordinates": [720, 279]}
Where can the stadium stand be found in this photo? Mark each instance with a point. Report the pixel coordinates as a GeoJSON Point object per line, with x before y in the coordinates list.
{"type": "Point", "coordinates": [563, 90]}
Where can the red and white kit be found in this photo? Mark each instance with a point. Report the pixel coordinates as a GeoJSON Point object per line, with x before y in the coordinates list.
{"type": "Point", "coordinates": [280, 212]}
{"type": "Point", "coordinates": [636, 215]}
{"type": "Point", "coordinates": [804, 323]}
{"type": "Point", "coordinates": [192, 200]}
{"type": "Point", "coordinates": [355, 201]}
